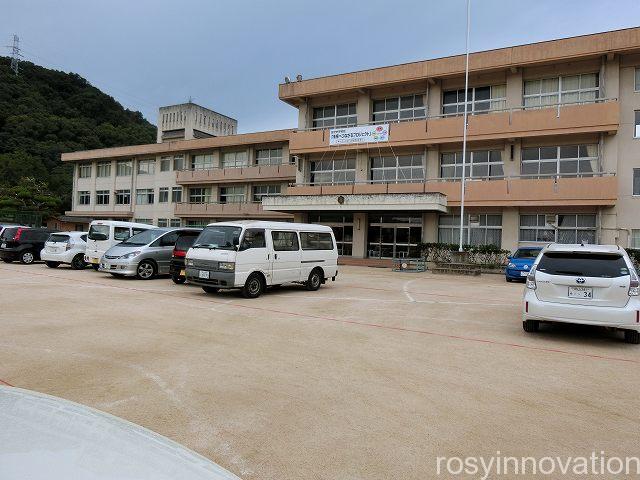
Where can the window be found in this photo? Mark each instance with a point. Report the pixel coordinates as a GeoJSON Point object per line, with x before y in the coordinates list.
{"type": "Point", "coordinates": [636, 130]}
{"type": "Point", "coordinates": [285, 241]}
{"type": "Point", "coordinates": [231, 194]}
{"type": "Point", "coordinates": [197, 222]}
{"type": "Point", "coordinates": [343, 115]}
{"type": "Point", "coordinates": [102, 197]}
{"type": "Point", "coordinates": [316, 241]}
{"type": "Point", "coordinates": [104, 169]}
{"type": "Point", "coordinates": [342, 226]}
{"type": "Point", "coordinates": [144, 196]}
{"type": "Point", "coordinates": [165, 164]}
{"type": "Point", "coordinates": [123, 197]}
{"type": "Point", "coordinates": [558, 90]}
{"type": "Point", "coordinates": [124, 168]}
{"type": "Point", "coordinates": [408, 107]}
{"type": "Point", "coordinates": [178, 162]}
{"type": "Point", "coordinates": [560, 228]}
{"type": "Point", "coordinates": [566, 160]}
{"type": "Point", "coordinates": [201, 162]}
{"type": "Point", "coordinates": [84, 197]}
{"type": "Point", "coordinates": [479, 164]}
{"type": "Point", "coordinates": [199, 195]}
{"type": "Point", "coordinates": [176, 194]}
{"type": "Point", "coordinates": [394, 236]}
{"type": "Point", "coordinates": [269, 156]}
{"type": "Point", "coordinates": [398, 169]}
{"type": "Point", "coordinates": [478, 229]}
{"type": "Point", "coordinates": [253, 238]}
{"type": "Point", "coordinates": [174, 222]}
{"type": "Point", "coordinates": [635, 239]}
{"type": "Point", "coordinates": [583, 264]}
{"type": "Point", "coordinates": [163, 222]}
{"type": "Point", "coordinates": [235, 159]}
{"type": "Point", "coordinates": [148, 221]}
{"type": "Point", "coordinates": [163, 195]}
{"type": "Point", "coordinates": [260, 191]}
{"type": "Point", "coordinates": [84, 170]}
{"type": "Point", "coordinates": [146, 167]}
{"type": "Point", "coordinates": [479, 100]}
{"type": "Point", "coordinates": [325, 172]}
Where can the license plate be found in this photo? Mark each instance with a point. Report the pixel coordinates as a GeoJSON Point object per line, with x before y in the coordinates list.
{"type": "Point", "coordinates": [203, 274]}
{"type": "Point", "coordinates": [4, 245]}
{"type": "Point", "coordinates": [524, 274]}
{"type": "Point", "coordinates": [580, 292]}
{"type": "Point", "coordinates": [183, 273]}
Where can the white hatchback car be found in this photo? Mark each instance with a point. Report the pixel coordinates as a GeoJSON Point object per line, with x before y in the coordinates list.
{"type": "Point", "coordinates": [585, 284]}
{"type": "Point", "coordinates": [65, 247]}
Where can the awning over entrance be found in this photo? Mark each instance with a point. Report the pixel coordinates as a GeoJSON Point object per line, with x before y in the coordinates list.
{"type": "Point", "coordinates": [423, 202]}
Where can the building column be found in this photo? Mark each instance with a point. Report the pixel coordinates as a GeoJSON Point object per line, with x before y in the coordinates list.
{"type": "Point", "coordinates": [514, 88]}
{"type": "Point", "coordinates": [434, 99]}
{"type": "Point", "coordinates": [433, 162]}
{"type": "Point", "coordinates": [510, 228]}
{"type": "Point", "coordinates": [359, 249]}
{"type": "Point", "coordinates": [300, 217]}
{"type": "Point", "coordinates": [303, 115]}
{"type": "Point", "coordinates": [363, 107]}
{"type": "Point", "coordinates": [429, 227]}
{"type": "Point", "coordinates": [362, 167]}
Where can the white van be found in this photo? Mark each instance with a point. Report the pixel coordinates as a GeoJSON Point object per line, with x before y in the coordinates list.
{"type": "Point", "coordinates": [104, 234]}
{"type": "Point", "coordinates": [252, 255]}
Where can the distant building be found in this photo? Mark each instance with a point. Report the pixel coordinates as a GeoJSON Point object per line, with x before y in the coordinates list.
{"type": "Point", "coordinates": [187, 121]}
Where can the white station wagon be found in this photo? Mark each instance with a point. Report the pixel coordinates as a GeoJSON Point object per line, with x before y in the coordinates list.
{"type": "Point", "coordinates": [585, 284]}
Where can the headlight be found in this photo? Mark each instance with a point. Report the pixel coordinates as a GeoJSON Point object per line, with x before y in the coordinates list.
{"type": "Point", "coordinates": [130, 255]}
{"type": "Point", "coordinates": [190, 263]}
{"type": "Point", "coordinates": [511, 265]}
{"type": "Point", "coordinates": [230, 266]}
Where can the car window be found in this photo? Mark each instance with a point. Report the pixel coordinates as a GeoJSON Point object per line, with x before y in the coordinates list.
{"type": "Point", "coordinates": [169, 240]}
{"type": "Point", "coordinates": [145, 237]}
{"type": "Point", "coordinates": [99, 232]}
{"type": "Point", "coordinates": [121, 233]}
{"type": "Point", "coordinates": [583, 264]}
{"type": "Point", "coordinates": [83, 238]}
{"type": "Point", "coordinates": [316, 241]}
{"type": "Point", "coordinates": [138, 230]}
{"type": "Point", "coordinates": [285, 241]}
{"type": "Point", "coordinates": [9, 233]}
{"type": "Point", "coordinates": [58, 238]}
{"type": "Point", "coordinates": [254, 238]}
{"type": "Point", "coordinates": [526, 253]}
{"type": "Point", "coordinates": [185, 241]}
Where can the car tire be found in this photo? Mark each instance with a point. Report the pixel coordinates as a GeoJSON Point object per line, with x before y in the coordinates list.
{"type": "Point", "coordinates": [52, 264]}
{"type": "Point", "coordinates": [177, 279]}
{"type": "Point", "coordinates": [315, 280]}
{"type": "Point", "coordinates": [509, 280]}
{"type": "Point", "coordinates": [145, 270]}
{"type": "Point", "coordinates": [95, 267]}
{"type": "Point", "coordinates": [78, 262]}
{"type": "Point", "coordinates": [253, 287]}
{"type": "Point", "coordinates": [27, 257]}
{"type": "Point", "coordinates": [210, 289]}
{"type": "Point", "coordinates": [531, 326]}
{"type": "Point", "coordinates": [632, 336]}
{"type": "Point", "coordinates": [7, 260]}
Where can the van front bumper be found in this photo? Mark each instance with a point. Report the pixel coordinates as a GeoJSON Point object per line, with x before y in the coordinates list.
{"type": "Point", "coordinates": [616, 317]}
{"type": "Point", "coordinates": [216, 278]}
{"type": "Point", "coordinates": [126, 268]}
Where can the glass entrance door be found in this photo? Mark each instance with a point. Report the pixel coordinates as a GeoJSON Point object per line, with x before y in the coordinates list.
{"type": "Point", "coordinates": [394, 236]}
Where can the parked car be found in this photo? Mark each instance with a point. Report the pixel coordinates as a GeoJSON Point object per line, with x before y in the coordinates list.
{"type": "Point", "coordinates": [144, 255]}
{"type": "Point", "coordinates": [8, 225]}
{"type": "Point", "coordinates": [584, 284]}
{"type": "Point", "coordinates": [251, 255]}
{"type": "Point", "coordinates": [520, 263]}
{"type": "Point", "coordinates": [65, 247]}
{"type": "Point", "coordinates": [23, 243]}
{"type": "Point", "coordinates": [104, 234]}
{"type": "Point", "coordinates": [183, 244]}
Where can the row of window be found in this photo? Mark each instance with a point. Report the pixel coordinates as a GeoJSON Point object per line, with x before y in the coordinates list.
{"type": "Point", "coordinates": [288, 241]}
{"type": "Point", "coordinates": [124, 168]}
{"type": "Point", "coordinates": [144, 196]}
{"type": "Point", "coordinates": [235, 194]}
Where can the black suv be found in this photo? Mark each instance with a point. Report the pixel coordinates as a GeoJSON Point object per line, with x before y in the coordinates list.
{"type": "Point", "coordinates": [23, 243]}
{"type": "Point", "coordinates": [183, 244]}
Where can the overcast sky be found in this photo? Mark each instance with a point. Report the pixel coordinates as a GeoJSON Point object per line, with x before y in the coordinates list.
{"type": "Point", "coordinates": [230, 55]}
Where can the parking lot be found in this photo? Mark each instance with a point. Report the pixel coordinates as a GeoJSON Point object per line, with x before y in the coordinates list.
{"type": "Point", "coordinates": [373, 376]}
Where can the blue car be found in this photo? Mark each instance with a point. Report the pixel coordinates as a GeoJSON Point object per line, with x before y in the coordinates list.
{"type": "Point", "coordinates": [520, 263]}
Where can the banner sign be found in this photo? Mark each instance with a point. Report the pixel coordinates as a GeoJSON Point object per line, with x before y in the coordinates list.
{"type": "Point", "coordinates": [363, 134]}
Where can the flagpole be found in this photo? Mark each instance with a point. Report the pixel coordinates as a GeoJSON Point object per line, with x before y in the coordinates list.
{"type": "Point", "coordinates": [464, 128]}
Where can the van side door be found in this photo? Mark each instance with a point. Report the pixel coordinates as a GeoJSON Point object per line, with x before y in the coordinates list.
{"type": "Point", "coordinates": [285, 263]}
{"type": "Point", "coordinates": [253, 255]}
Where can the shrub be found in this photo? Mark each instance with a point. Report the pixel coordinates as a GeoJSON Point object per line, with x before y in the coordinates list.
{"type": "Point", "coordinates": [486, 255]}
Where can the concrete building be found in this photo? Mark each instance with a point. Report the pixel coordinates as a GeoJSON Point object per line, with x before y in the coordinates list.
{"type": "Point", "coordinates": [187, 121]}
{"type": "Point", "coordinates": [553, 140]}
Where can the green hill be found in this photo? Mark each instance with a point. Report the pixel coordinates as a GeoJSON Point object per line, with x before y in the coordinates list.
{"type": "Point", "coordinates": [44, 113]}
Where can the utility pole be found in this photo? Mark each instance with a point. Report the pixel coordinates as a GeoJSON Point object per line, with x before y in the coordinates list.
{"type": "Point", "coordinates": [15, 54]}
{"type": "Point", "coordinates": [464, 131]}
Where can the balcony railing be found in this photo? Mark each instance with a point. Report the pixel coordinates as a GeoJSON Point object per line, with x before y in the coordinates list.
{"type": "Point", "coordinates": [237, 174]}
{"type": "Point", "coordinates": [245, 209]}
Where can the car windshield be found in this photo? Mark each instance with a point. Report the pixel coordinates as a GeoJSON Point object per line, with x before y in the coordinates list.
{"type": "Point", "coordinates": [185, 242]}
{"type": "Point", "coordinates": [526, 253]}
{"type": "Point", "coordinates": [223, 237]}
{"type": "Point", "coordinates": [57, 238]}
{"type": "Point", "coordinates": [143, 238]}
{"type": "Point", "coordinates": [9, 233]}
{"type": "Point", "coordinates": [583, 264]}
{"type": "Point", "coordinates": [99, 232]}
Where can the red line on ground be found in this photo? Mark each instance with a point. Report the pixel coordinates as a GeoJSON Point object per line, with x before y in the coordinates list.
{"type": "Point", "coordinates": [5, 383]}
{"type": "Point", "coordinates": [362, 324]}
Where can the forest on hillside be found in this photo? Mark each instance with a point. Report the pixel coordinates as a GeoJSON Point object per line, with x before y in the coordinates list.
{"type": "Point", "coordinates": [44, 113]}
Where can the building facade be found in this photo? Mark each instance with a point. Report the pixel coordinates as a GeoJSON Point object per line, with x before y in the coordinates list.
{"type": "Point", "coordinates": [553, 154]}
{"type": "Point", "coordinates": [187, 121]}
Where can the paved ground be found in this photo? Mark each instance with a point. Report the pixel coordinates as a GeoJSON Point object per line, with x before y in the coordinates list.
{"type": "Point", "coordinates": [373, 376]}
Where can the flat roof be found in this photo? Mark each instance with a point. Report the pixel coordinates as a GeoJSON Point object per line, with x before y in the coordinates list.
{"type": "Point", "coordinates": [581, 46]}
{"type": "Point", "coordinates": [177, 146]}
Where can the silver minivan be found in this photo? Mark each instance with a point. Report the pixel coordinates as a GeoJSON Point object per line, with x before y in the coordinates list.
{"type": "Point", "coordinates": [144, 255]}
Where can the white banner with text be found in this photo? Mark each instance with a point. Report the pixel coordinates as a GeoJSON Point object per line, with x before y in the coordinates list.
{"type": "Point", "coordinates": [363, 134]}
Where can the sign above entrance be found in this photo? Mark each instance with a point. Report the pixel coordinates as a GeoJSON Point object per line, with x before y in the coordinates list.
{"type": "Point", "coordinates": [363, 134]}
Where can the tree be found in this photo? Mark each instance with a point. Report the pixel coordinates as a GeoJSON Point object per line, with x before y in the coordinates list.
{"type": "Point", "coordinates": [29, 194]}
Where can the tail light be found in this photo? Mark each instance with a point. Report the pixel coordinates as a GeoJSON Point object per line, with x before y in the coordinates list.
{"type": "Point", "coordinates": [634, 285]}
{"type": "Point", "coordinates": [67, 247]}
{"type": "Point", "coordinates": [16, 237]}
{"type": "Point", "coordinates": [180, 253]}
{"type": "Point", "coordinates": [531, 278]}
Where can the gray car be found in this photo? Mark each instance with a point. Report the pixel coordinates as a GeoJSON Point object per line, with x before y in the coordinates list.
{"type": "Point", "coordinates": [144, 255]}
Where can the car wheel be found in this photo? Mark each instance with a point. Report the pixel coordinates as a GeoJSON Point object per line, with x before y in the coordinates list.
{"type": "Point", "coordinates": [27, 257]}
{"type": "Point", "coordinates": [52, 264]}
{"type": "Point", "coordinates": [78, 262]}
{"type": "Point", "coordinates": [632, 336]}
{"type": "Point", "coordinates": [509, 279]}
{"type": "Point", "coordinates": [95, 267]}
{"type": "Point", "coordinates": [531, 326]}
{"type": "Point", "coordinates": [177, 279]}
{"type": "Point", "coordinates": [146, 270]}
{"type": "Point", "coordinates": [315, 280]}
{"type": "Point", "coordinates": [253, 286]}
{"type": "Point", "coordinates": [210, 289]}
